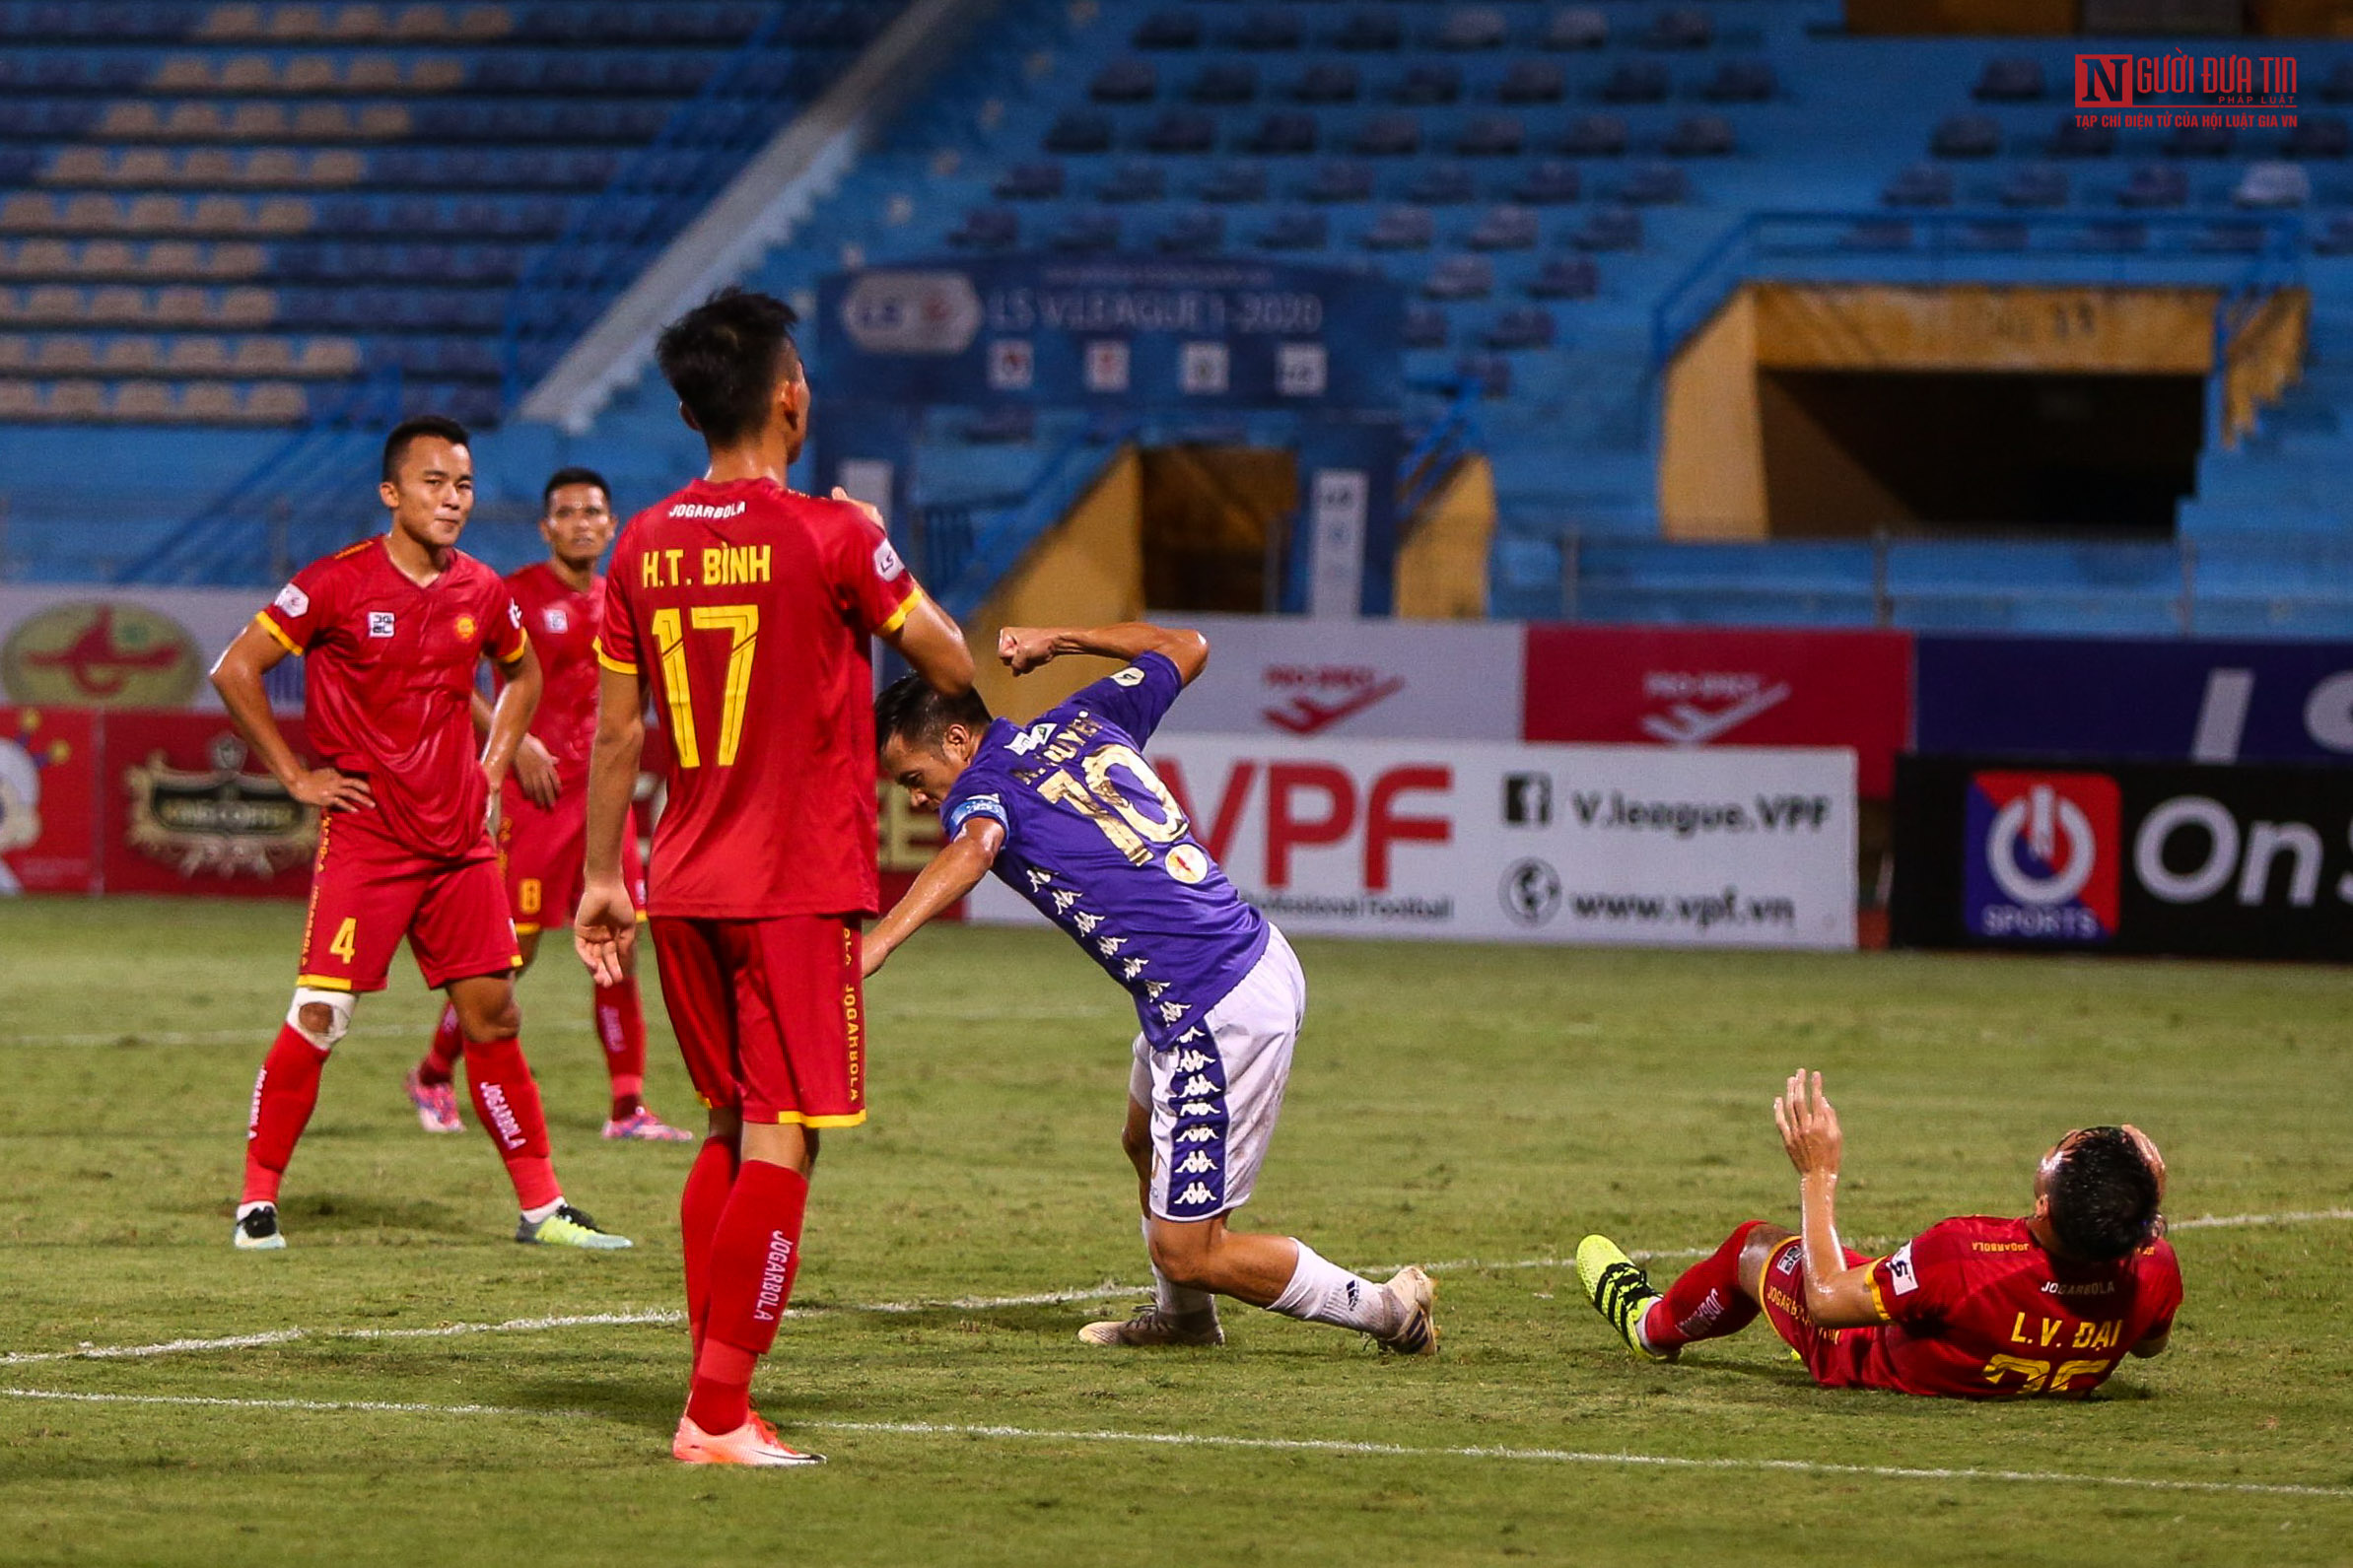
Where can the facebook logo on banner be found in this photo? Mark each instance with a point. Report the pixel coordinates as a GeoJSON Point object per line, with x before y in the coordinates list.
{"type": "Point", "coordinates": [2044, 856]}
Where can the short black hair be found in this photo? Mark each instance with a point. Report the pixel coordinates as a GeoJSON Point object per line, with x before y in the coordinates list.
{"type": "Point", "coordinates": [725, 359]}
{"type": "Point", "coordinates": [572, 476]}
{"type": "Point", "coordinates": [910, 710]}
{"type": "Point", "coordinates": [2103, 1195]}
{"type": "Point", "coordinates": [396, 444]}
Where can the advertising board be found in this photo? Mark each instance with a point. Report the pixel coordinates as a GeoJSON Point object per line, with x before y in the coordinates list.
{"type": "Point", "coordinates": [1603, 845]}
{"type": "Point", "coordinates": [48, 827]}
{"type": "Point", "coordinates": [1287, 675]}
{"type": "Point", "coordinates": [2124, 856]}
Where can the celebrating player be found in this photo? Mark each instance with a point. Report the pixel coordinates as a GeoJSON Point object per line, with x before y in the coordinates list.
{"type": "Point", "coordinates": [1974, 1308]}
{"type": "Point", "coordinates": [391, 630]}
{"type": "Point", "coordinates": [543, 815]}
{"type": "Point", "coordinates": [1069, 815]}
{"type": "Point", "coordinates": [745, 609]}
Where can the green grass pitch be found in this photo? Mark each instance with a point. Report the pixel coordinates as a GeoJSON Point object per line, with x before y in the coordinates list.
{"type": "Point", "coordinates": [1449, 1105]}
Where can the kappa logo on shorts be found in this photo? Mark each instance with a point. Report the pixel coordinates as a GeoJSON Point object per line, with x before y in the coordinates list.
{"type": "Point", "coordinates": [1193, 1192]}
{"type": "Point", "coordinates": [1195, 1163]}
{"type": "Point", "coordinates": [380, 623]}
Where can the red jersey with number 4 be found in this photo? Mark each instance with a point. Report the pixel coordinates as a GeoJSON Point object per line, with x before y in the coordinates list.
{"type": "Point", "coordinates": [389, 683]}
{"type": "Point", "coordinates": [1975, 1307]}
{"type": "Point", "coordinates": [562, 621]}
{"type": "Point", "coordinates": [748, 607]}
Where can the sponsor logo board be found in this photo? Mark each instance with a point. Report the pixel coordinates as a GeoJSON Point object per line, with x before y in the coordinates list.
{"type": "Point", "coordinates": [1753, 848]}
{"type": "Point", "coordinates": [1287, 675]}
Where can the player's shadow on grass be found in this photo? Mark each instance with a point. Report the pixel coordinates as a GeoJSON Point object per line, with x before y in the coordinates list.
{"type": "Point", "coordinates": [351, 1213]}
{"type": "Point", "coordinates": [651, 1400]}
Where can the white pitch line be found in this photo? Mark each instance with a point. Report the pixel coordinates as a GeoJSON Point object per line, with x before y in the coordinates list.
{"type": "Point", "coordinates": [1046, 1298]}
{"type": "Point", "coordinates": [1287, 1445]}
{"type": "Point", "coordinates": [256, 1036]}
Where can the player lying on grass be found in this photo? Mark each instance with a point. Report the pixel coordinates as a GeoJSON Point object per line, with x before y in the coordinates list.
{"type": "Point", "coordinates": [391, 631]}
{"type": "Point", "coordinates": [1973, 1308]}
{"type": "Point", "coordinates": [1068, 814]}
{"type": "Point", "coordinates": [543, 813]}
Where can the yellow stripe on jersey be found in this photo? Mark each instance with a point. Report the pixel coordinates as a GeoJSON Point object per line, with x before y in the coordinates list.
{"type": "Point", "coordinates": [898, 617]}
{"type": "Point", "coordinates": [617, 666]}
{"type": "Point", "coordinates": [262, 618]}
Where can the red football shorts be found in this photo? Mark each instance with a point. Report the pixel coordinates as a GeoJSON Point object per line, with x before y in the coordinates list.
{"type": "Point", "coordinates": [367, 892]}
{"type": "Point", "coordinates": [770, 1014]}
{"type": "Point", "coordinates": [1834, 1356]}
{"type": "Point", "coordinates": [544, 851]}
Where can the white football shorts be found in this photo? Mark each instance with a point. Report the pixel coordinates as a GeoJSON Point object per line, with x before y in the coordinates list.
{"type": "Point", "coordinates": [1214, 1100]}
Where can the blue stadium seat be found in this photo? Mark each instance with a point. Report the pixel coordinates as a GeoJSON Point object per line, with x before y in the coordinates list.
{"type": "Point", "coordinates": [1490, 136]}
{"type": "Point", "coordinates": [2334, 238]}
{"type": "Point", "coordinates": [1225, 82]}
{"type": "Point", "coordinates": [1133, 181]}
{"type": "Point", "coordinates": [1179, 130]}
{"type": "Point", "coordinates": [1520, 328]}
{"type": "Point", "coordinates": [2199, 141]}
{"type": "Point", "coordinates": [1608, 229]}
{"type": "Point", "coordinates": [1440, 185]}
{"type": "Point", "coordinates": [1192, 232]}
{"type": "Point", "coordinates": [1167, 29]}
{"type": "Point", "coordinates": [2035, 186]}
{"type": "Point", "coordinates": [1431, 81]}
{"type": "Point", "coordinates": [2273, 185]}
{"type": "Point", "coordinates": [1470, 28]}
{"type": "Point", "coordinates": [1594, 136]}
{"type": "Point", "coordinates": [1426, 327]}
{"type": "Point", "coordinates": [1402, 228]}
{"type": "Point", "coordinates": [988, 228]}
{"type": "Point", "coordinates": [1330, 81]}
{"type": "Point", "coordinates": [1338, 181]}
{"type": "Point", "coordinates": [2010, 79]}
{"type": "Point", "coordinates": [2155, 185]}
{"type": "Point", "coordinates": [1965, 136]}
{"type": "Point", "coordinates": [1124, 82]}
{"type": "Point", "coordinates": [1369, 28]}
{"type": "Point", "coordinates": [1565, 278]}
{"type": "Point", "coordinates": [1741, 82]}
{"type": "Point", "coordinates": [1576, 27]}
{"type": "Point", "coordinates": [1549, 183]}
{"type": "Point", "coordinates": [1390, 135]}
{"type": "Point", "coordinates": [2338, 85]}
{"type": "Point", "coordinates": [1264, 30]}
{"type": "Point", "coordinates": [1700, 136]}
{"type": "Point", "coordinates": [1306, 230]}
{"type": "Point", "coordinates": [1233, 185]}
{"type": "Point", "coordinates": [1635, 81]}
{"type": "Point", "coordinates": [1919, 186]}
{"type": "Point", "coordinates": [1459, 278]}
{"type": "Point", "coordinates": [1503, 229]}
{"type": "Point", "coordinates": [1086, 230]}
{"type": "Point", "coordinates": [1681, 28]}
{"type": "Point", "coordinates": [1080, 131]}
{"type": "Point", "coordinates": [1654, 185]}
{"type": "Point", "coordinates": [2318, 136]}
{"type": "Point", "coordinates": [1532, 82]}
{"type": "Point", "coordinates": [1029, 181]}
{"type": "Point", "coordinates": [2071, 139]}
{"type": "Point", "coordinates": [1286, 133]}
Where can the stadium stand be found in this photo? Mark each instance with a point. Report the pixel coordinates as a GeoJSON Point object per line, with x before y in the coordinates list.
{"type": "Point", "coordinates": [447, 195]}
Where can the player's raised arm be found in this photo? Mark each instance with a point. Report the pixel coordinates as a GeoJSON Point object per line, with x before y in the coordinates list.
{"type": "Point", "coordinates": [1027, 648]}
{"type": "Point", "coordinates": [953, 875]}
{"type": "Point", "coordinates": [236, 676]}
{"type": "Point", "coordinates": [1836, 1296]}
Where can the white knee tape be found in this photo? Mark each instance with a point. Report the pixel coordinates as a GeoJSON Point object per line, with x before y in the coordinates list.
{"type": "Point", "coordinates": [338, 1004]}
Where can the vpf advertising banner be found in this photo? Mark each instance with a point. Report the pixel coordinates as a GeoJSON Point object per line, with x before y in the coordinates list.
{"type": "Point", "coordinates": [1603, 845]}
{"type": "Point", "coordinates": [2124, 856]}
{"type": "Point", "coordinates": [1363, 679]}
{"type": "Point", "coordinates": [2163, 700]}
{"type": "Point", "coordinates": [1701, 685]}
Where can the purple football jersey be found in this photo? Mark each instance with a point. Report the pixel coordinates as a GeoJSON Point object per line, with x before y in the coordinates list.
{"type": "Point", "coordinates": [1094, 840]}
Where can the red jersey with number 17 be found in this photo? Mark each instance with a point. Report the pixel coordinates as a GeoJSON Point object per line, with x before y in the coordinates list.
{"type": "Point", "coordinates": [748, 608]}
{"type": "Point", "coordinates": [1975, 1307]}
{"type": "Point", "coordinates": [389, 683]}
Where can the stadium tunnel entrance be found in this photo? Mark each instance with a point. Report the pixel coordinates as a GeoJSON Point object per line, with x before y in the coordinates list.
{"type": "Point", "coordinates": [1832, 410]}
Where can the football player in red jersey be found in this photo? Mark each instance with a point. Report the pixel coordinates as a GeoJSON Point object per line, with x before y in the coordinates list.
{"type": "Point", "coordinates": [1972, 1308]}
{"type": "Point", "coordinates": [391, 630]}
{"type": "Point", "coordinates": [543, 814]}
{"type": "Point", "coordinates": [745, 610]}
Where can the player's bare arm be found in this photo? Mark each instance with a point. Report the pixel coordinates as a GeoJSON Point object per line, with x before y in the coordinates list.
{"type": "Point", "coordinates": [236, 676]}
{"type": "Point", "coordinates": [933, 645]}
{"type": "Point", "coordinates": [953, 875]}
{"type": "Point", "coordinates": [517, 700]}
{"type": "Point", "coordinates": [1027, 648]}
{"type": "Point", "coordinates": [1836, 1296]}
{"type": "Point", "coordinates": [534, 766]}
{"type": "Point", "coordinates": [604, 928]}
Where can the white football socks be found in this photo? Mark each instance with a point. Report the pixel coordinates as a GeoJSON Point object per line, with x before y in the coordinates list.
{"type": "Point", "coordinates": [545, 1211]}
{"type": "Point", "coordinates": [1174, 1300]}
{"type": "Point", "coordinates": [1324, 1292]}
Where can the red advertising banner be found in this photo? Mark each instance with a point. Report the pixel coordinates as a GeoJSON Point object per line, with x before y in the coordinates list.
{"type": "Point", "coordinates": [1703, 686]}
{"type": "Point", "coordinates": [48, 776]}
{"type": "Point", "coordinates": [187, 812]}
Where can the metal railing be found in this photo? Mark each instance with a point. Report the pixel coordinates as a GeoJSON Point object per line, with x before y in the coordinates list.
{"type": "Point", "coordinates": [2245, 256]}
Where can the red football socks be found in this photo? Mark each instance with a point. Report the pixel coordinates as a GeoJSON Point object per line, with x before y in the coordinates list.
{"type": "Point", "coordinates": [508, 1101]}
{"type": "Point", "coordinates": [285, 1094]}
{"type": "Point", "coordinates": [440, 1058]}
{"type": "Point", "coordinates": [754, 1255]}
{"type": "Point", "coordinates": [1705, 1302]}
{"type": "Point", "coordinates": [621, 1025]}
{"type": "Point", "coordinates": [699, 1208]}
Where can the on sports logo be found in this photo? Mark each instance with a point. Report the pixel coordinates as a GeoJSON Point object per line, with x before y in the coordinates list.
{"type": "Point", "coordinates": [2045, 857]}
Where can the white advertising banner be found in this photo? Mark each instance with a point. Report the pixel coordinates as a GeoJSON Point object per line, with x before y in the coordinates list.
{"type": "Point", "coordinates": [1631, 846]}
{"type": "Point", "coordinates": [1286, 675]}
